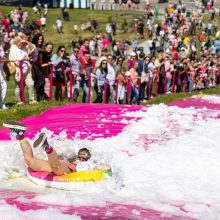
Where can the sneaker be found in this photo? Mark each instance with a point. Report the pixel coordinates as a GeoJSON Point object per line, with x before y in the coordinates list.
{"type": "Point", "coordinates": [41, 141]}
{"type": "Point", "coordinates": [20, 103]}
{"type": "Point", "coordinates": [15, 127]}
{"type": "Point", "coordinates": [33, 102]}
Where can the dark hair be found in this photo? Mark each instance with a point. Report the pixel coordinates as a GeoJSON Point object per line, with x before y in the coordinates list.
{"type": "Point", "coordinates": [141, 55]}
{"type": "Point", "coordinates": [36, 38]}
{"type": "Point", "coordinates": [48, 43]}
{"type": "Point", "coordinates": [75, 47]}
{"type": "Point", "coordinates": [60, 47]}
{"type": "Point", "coordinates": [87, 152]}
{"type": "Point", "coordinates": [119, 59]}
{"type": "Point", "coordinates": [86, 52]}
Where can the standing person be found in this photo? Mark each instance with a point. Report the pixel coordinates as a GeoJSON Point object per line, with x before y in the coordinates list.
{"type": "Point", "coordinates": [84, 48]}
{"type": "Point", "coordinates": [134, 96]}
{"type": "Point", "coordinates": [59, 26]}
{"type": "Point", "coordinates": [101, 73]}
{"type": "Point", "coordinates": [121, 86]}
{"type": "Point", "coordinates": [152, 72]}
{"type": "Point", "coordinates": [3, 84]}
{"type": "Point", "coordinates": [45, 67]}
{"type": "Point", "coordinates": [43, 21]}
{"type": "Point", "coordinates": [111, 78]}
{"type": "Point", "coordinates": [76, 68]}
{"type": "Point", "coordinates": [168, 75]}
{"type": "Point", "coordinates": [119, 64]}
{"type": "Point", "coordinates": [140, 28]}
{"type": "Point", "coordinates": [133, 58]}
{"type": "Point", "coordinates": [113, 25]}
{"type": "Point", "coordinates": [144, 78]}
{"type": "Point", "coordinates": [108, 30]}
{"type": "Point", "coordinates": [18, 53]}
{"type": "Point", "coordinates": [60, 62]}
{"type": "Point", "coordinates": [88, 67]}
{"type": "Point", "coordinates": [39, 82]}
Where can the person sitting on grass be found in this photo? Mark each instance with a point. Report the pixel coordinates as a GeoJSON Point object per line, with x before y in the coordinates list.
{"type": "Point", "coordinates": [53, 163]}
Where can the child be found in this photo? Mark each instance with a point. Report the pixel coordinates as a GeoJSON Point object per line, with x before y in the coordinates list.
{"type": "Point", "coordinates": [82, 162]}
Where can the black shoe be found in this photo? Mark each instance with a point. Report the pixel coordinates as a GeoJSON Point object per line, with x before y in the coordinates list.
{"type": "Point", "coordinates": [41, 142]}
{"type": "Point", "coordinates": [15, 127]}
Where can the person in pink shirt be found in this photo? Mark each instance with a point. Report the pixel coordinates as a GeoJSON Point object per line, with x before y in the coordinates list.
{"type": "Point", "coordinates": [167, 73]}
{"type": "Point", "coordinates": [134, 79]}
{"type": "Point", "coordinates": [84, 48]}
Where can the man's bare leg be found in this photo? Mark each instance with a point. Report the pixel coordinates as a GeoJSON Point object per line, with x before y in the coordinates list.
{"type": "Point", "coordinates": [29, 159]}
{"type": "Point", "coordinates": [53, 159]}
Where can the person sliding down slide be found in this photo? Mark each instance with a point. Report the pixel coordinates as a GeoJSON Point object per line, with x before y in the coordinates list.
{"type": "Point", "coordinates": [53, 164]}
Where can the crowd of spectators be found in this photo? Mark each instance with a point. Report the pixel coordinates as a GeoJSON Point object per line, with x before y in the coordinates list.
{"type": "Point", "coordinates": [183, 56]}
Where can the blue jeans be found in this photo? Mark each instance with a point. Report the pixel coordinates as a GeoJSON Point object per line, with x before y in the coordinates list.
{"type": "Point", "coordinates": [134, 95]}
{"type": "Point", "coordinates": [189, 84]}
{"type": "Point", "coordinates": [168, 84]}
{"type": "Point", "coordinates": [85, 87]}
{"type": "Point", "coordinates": [142, 91]}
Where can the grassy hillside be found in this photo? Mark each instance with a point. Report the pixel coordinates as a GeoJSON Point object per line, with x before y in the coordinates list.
{"type": "Point", "coordinates": [79, 17]}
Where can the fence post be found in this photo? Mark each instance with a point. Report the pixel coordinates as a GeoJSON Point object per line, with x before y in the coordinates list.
{"type": "Point", "coordinates": [128, 89]}
{"type": "Point", "coordinates": [165, 84]}
{"type": "Point", "coordinates": [148, 87]}
{"type": "Point", "coordinates": [116, 96]}
{"type": "Point", "coordinates": [156, 85]}
{"type": "Point", "coordinates": [51, 82]}
{"type": "Point", "coordinates": [184, 84]}
{"type": "Point", "coordinates": [105, 92]}
{"type": "Point", "coordinates": [21, 82]}
{"type": "Point", "coordinates": [173, 81]}
{"type": "Point", "coordinates": [71, 85]}
{"type": "Point", "coordinates": [89, 92]}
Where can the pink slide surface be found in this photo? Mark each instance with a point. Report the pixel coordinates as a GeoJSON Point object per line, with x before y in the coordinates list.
{"type": "Point", "coordinates": [90, 121]}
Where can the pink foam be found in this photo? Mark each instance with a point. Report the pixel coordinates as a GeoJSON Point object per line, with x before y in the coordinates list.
{"type": "Point", "coordinates": [196, 103]}
{"type": "Point", "coordinates": [92, 121]}
{"type": "Point", "coordinates": [118, 211]}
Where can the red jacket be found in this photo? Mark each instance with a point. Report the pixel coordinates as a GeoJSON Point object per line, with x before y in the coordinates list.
{"type": "Point", "coordinates": [83, 62]}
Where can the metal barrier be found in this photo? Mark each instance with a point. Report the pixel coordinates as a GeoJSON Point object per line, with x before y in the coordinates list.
{"type": "Point", "coordinates": [152, 81]}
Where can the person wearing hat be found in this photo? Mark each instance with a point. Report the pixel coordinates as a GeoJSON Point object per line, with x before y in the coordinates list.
{"type": "Point", "coordinates": [133, 57]}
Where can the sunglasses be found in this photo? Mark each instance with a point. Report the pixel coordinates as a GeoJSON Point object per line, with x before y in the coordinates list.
{"type": "Point", "coordinates": [82, 158]}
{"type": "Point", "coordinates": [104, 63]}
{"type": "Point", "coordinates": [62, 50]}
{"type": "Point", "coordinates": [76, 51]}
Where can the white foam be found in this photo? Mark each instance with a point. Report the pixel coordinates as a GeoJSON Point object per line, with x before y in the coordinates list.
{"type": "Point", "coordinates": [179, 167]}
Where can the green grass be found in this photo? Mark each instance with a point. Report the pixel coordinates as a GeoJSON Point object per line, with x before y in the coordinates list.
{"type": "Point", "coordinates": [179, 96]}
{"type": "Point", "coordinates": [78, 16]}
{"type": "Point", "coordinates": [19, 112]}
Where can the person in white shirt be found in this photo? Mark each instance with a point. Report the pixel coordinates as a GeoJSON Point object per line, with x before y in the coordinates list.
{"type": "Point", "coordinates": [59, 26]}
{"type": "Point", "coordinates": [3, 84]}
{"type": "Point", "coordinates": [16, 54]}
{"type": "Point", "coordinates": [43, 21]}
{"type": "Point", "coordinates": [108, 30]}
